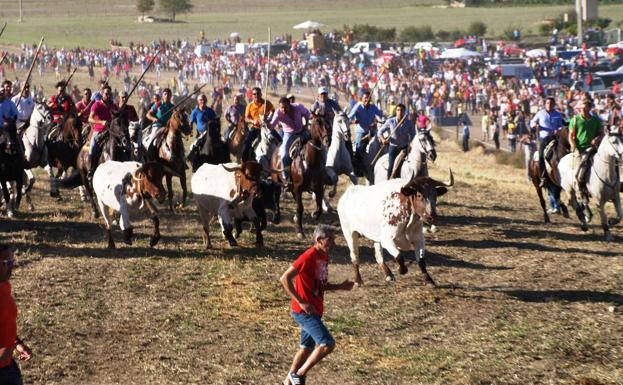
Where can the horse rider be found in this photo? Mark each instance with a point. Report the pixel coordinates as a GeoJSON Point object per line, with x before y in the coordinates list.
{"type": "Point", "coordinates": [291, 118]}
{"type": "Point", "coordinates": [585, 133]}
{"type": "Point", "coordinates": [325, 107]}
{"type": "Point", "coordinates": [25, 107]}
{"type": "Point", "coordinates": [100, 119]}
{"type": "Point", "coordinates": [397, 131]}
{"type": "Point", "coordinates": [60, 104]}
{"type": "Point", "coordinates": [8, 116]}
{"type": "Point", "coordinates": [7, 86]}
{"type": "Point", "coordinates": [201, 116]}
{"type": "Point", "coordinates": [547, 122]}
{"type": "Point", "coordinates": [131, 111]}
{"type": "Point", "coordinates": [365, 115]}
{"type": "Point", "coordinates": [83, 107]}
{"type": "Point", "coordinates": [258, 111]}
{"type": "Point", "coordinates": [233, 114]}
{"type": "Point", "coordinates": [159, 114]}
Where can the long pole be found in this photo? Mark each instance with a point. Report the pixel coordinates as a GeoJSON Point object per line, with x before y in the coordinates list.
{"type": "Point", "coordinates": [3, 27]}
{"type": "Point", "coordinates": [71, 76]}
{"type": "Point", "coordinates": [20, 12]}
{"type": "Point", "coordinates": [139, 80]}
{"type": "Point", "coordinates": [32, 65]}
{"type": "Point", "coordinates": [3, 57]}
{"type": "Point", "coordinates": [267, 63]}
{"type": "Point", "coordinates": [579, 14]}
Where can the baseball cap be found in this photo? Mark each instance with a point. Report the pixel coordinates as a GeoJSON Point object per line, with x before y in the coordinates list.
{"type": "Point", "coordinates": [322, 90]}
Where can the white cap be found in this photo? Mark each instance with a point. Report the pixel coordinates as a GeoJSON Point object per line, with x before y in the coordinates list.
{"type": "Point", "coordinates": [322, 90]}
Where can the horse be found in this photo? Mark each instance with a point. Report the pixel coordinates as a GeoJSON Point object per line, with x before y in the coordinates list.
{"type": "Point", "coordinates": [169, 151]}
{"type": "Point", "coordinates": [136, 138]}
{"type": "Point", "coordinates": [339, 158]}
{"type": "Point", "coordinates": [603, 182]}
{"type": "Point", "coordinates": [561, 148]}
{"type": "Point", "coordinates": [422, 149]}
{"type": "Point", "coordinates": [114, 145]}
{"type": "Point", "coordinates": [237, 137]}
{"type": "Point", "coordinates": [207, 149]}
{"type": "Point", "coordinates": [265, 149]}
{"type": "Point", "coordinates": [11, 168]}
{"type": "Point", "coordinates": [372, 150]}
{"type": "Point", "coordinates": [307, 170]}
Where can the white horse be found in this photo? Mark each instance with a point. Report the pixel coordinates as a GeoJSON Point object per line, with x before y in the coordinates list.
{"type": "Point", "coordinates": [265, 149]}
{"type": "Point", "coordinates": [415, 164]}
{"type": "Point", "coordinates": [603, 182]}
{"type": "Point", "coordinates": [338, 157]}
{"type": "Point", "coordinates": [372, 150]}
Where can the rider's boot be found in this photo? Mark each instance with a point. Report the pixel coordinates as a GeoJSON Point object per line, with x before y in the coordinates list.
{"type": "Point", "coordinates": [93, 164]}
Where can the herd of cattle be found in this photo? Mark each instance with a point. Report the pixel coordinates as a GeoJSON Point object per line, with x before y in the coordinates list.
{"type": "Point", "coordinates": [396, 210]}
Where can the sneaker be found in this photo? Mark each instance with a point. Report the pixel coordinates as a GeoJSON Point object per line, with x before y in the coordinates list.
{"type": "Point", "coordinates": [295, 379]}
{"type": "Point", "coordinates": [553, 211]}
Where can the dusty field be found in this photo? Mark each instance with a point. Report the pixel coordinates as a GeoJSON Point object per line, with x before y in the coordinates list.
{"type": "Point", "coordinates": [518, 302]}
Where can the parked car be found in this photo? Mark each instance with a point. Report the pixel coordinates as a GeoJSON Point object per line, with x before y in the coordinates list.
{"type": "Point", "coordinates": [368, 48]}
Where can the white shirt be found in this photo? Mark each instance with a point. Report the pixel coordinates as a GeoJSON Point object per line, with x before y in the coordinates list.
{"type": "Point", "coordinates": [25, 108]}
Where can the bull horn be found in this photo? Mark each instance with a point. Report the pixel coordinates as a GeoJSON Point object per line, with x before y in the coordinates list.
{"type": "Point", "coordinates": [449, 183]}
{"type": "Point", "coordinates": [232, 169]}
{"type": "Point", "coordinates": [170, 171]}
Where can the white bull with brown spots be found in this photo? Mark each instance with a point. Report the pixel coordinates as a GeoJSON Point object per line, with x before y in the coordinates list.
{"type": "Point", "coordinates": [392, 214]}
{"type": "Point", "coordinates": [122, 185]}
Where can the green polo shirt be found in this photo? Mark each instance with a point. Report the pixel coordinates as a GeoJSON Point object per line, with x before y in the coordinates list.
{"type": "Point", "coordinates": [585, 130]}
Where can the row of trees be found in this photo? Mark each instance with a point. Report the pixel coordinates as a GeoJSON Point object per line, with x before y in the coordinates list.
{"type": "Point", "coordinates": [169, 7]}
{"type": "Point", "coordinates": [365, 32]}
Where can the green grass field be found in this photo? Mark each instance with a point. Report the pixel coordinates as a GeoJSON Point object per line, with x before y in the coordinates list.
{"type": "Point", "coordinates": [94, 23]}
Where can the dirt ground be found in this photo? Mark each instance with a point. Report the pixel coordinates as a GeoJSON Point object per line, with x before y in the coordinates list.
{"type": "Point", "coordinates": [519, 302]}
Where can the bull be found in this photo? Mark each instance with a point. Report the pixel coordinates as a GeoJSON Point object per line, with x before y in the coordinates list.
{"type": "Point", "coordinates": [394, 216]}
{"type": "Point", "coordinates": [120, 186]}
{"type": "Point", "coordinates": [227, 191]}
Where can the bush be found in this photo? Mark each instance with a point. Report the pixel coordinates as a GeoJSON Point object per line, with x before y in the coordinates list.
{"type": "Point", "coordinates": [442, 35]}
{"type": "Point", "coordinates": [366, 32]}
{"type": "Point", "coordinates": [477, 28]}
{"type": "Point", "coordinates": [508, 33]}
{"type": "Point", "coordinates": [415, 34]}
{"type": "Point", "coordinates": [546, 29]}
{"type": "Point", "coordinates": [456, 34]}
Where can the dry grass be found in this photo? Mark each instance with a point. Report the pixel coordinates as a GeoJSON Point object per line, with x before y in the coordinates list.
{"type": "Point", "coordinates": [518, 302]}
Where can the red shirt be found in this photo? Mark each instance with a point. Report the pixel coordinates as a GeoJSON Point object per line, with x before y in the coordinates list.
{"type": "Point", "coordinates": [102, 111]}
{"type": "Point", "coordinates": [313, 269]}
{"type": "Point", "coordinates": [81, 107]}
{"type": "Point", "coordinates": [8, 321]}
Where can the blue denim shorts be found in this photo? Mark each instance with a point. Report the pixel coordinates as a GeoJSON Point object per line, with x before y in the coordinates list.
{"type": "Point", "coordinates": [313, 330]}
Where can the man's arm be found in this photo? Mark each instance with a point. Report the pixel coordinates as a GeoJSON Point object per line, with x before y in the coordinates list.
{"type": "Point", "coordinates": [286, 280]}
{"type": "Point", "coordinates": [572, 134]}
{"type": "Point", "coordinates": [345, 285]}
{"type": "Point", "coordinates": [150, 115]}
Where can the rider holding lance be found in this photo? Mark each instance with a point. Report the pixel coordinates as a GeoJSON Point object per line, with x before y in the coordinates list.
{"type": "Point", "coordinates": [365, 115]}
{"type": "Point", "coordinates": [291, 118]}
{"type": "Point", "coordinates": [400, 130]}
{"type": "Point", "coordinates": [25, 108]}
{"type": "Point", "coordinates": [325, 107]}
{"type": "Point", "coordinates": [233, 114]}
{"type": "Point", "coordinates": [259, 109]}
{"type": "Point", "coordinates": [100, 119]}
{"type": "Point", "coordinates": [60, 104]}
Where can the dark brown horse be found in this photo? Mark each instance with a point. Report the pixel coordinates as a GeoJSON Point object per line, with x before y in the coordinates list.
{"type": "Point", "coordinates": [307, 170]}
{"type": "Point", "coordinates": [236, 143]}
{"type": "Point", "coordinates": [114, 144]}
{"type": "Point", "coordinates": [63, 148]}
{"type": "Point", "coordinates": [561, 148]}
{"type": "Point", "coordinates": [170, 151]}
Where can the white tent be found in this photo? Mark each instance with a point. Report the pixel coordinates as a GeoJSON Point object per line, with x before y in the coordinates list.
{"type": "Point", "coordinates": [536, 53]}
{"type": "Point", "coordinates": [234, 35]}
{"type": "Point", "coordinates": [459, 53]}
{"type": "Point", "coordinates": [308, 25]}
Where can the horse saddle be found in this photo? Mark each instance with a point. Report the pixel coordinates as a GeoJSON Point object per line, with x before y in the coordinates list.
{"type": "Point", "coordinates": [296, 147]}
{"type": "Point", "coordinates": [55, 134]}
{"type": "Point", "coordinates": [548, 153]}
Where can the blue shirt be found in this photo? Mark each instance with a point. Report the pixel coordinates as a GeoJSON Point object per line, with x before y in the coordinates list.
{"type": "Point", "coordinates": [365, 116]}
{"type": "Point", "coordinates": [399, 136]}
{"type": "Point", "coordinates": [331, 106]}
{"type": "Point", "coordinates": [201, 118]}
{"type": "Point", "coordinates": [548, 122]}
{"type": "Point", "coordinates": [7, 111]}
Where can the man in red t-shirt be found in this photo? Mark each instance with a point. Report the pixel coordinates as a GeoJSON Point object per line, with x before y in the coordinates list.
{"type": "Point", "coordinates": [311, 270]}
{"type": "Point", "coordinates": [9, 341]}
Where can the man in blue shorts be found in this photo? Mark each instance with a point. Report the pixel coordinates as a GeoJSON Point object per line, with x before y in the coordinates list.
{"type": "Point", "coordinates": [311, 270]}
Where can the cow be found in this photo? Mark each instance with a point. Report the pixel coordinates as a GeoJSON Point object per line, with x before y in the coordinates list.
{"type": "Point", "coordinates": [121, 185]}
{"type": "Point", "coordinates": [394, 217]}
{"type": "Point", "coordinates": [227, 190]}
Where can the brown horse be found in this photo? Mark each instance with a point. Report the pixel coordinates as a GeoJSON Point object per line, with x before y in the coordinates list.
{"type": "Point", "coordinates": [63, 148]}
{"type": "Point", "coordinates": [170, 151]}
{"type": "Point", "coordinates": [114, 145]}
{"type": "Point", "coordinates": [236, 143]}
{"type": "Point", "coordinates": [307, 170]}
{"type": "Point", "coordinates": [562, 148]}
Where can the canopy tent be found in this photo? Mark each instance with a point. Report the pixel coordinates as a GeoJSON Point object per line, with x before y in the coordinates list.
{"type": "Point", "coordinates": [308, 25]}
{"type": "Point", "coordinates": [459, 53]}
{"type": "Point", "coordinates": [534, 53]}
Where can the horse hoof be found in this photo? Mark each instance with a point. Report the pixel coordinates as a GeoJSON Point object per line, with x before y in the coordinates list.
{"type": "Point", "coordinates": [111, 245]}
{"type": "Point", "coordinates": [299, 235]}
{"type": "Point", "coordinates": [428, 281]}
{"type": "Point", "coordinates": [433, 229]}
{"type": "Point", "coordinates": [609, 237]}
{"type": "Point", "coordinates": [31, 207]}
{"type": "Point", "coordinates": [584, 227]}
{"type": "Point", "coordinates": [389, 278]}
{"type": "Point", "coordinates": [316, 215]}
{"type": "Point", "coordinates": [233, 243]}
{"type": "Point", "coordinates": [359, 283]}
{"type": "Point", "coordinates": [331, 194]}
{"type": "Point", "coordinates": [153, 240]}
{"type": "Point", "coordinates": [613, 221]}
{"type": "Point", "coordinates": [54, 194]}
{"type": "Point", "coordinates": [10, 214]}
{"type": "Point", "coordinates": [546, 219]}
{"type": "Point", "coordinates": [95, 214]}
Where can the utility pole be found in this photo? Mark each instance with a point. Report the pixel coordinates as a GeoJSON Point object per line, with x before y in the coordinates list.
{"type": "Point", "coordinates": [20, 12]}
{"type": "Point", "coordinates": [578, 11]}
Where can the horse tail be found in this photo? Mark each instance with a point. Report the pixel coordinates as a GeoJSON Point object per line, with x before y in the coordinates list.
{"type": "Point", "coordinates": [72, 181]}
